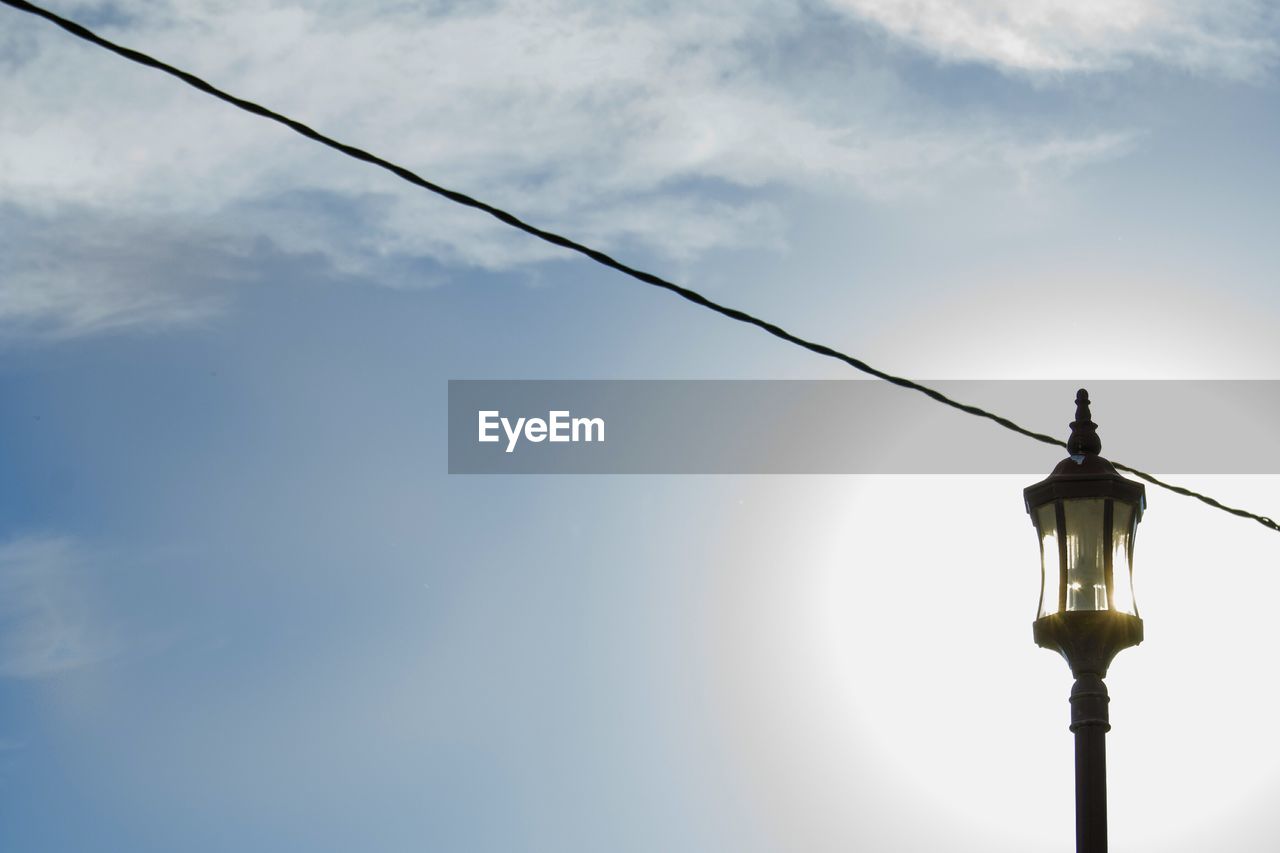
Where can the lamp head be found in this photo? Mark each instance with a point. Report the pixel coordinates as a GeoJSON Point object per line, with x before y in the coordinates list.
{"type": "Point", "coordinates": [1085, 515]}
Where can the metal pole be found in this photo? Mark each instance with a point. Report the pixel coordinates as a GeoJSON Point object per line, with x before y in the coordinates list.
{"type": "Point", "coordinates": [1089, 721]}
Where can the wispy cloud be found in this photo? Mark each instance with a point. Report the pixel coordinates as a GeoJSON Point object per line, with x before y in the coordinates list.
{"type": "Point", "coordinates": [668, 130]}
{"type": "Point", "coordinates": [46, 624]}
{"type": "Point", "coordinates": [81, 271]}
{"type": "Point", "coordinates": [1227, 38]}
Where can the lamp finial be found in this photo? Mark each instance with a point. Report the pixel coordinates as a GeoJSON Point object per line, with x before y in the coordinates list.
{"type": "Point", "coordinates": [1084, 432]}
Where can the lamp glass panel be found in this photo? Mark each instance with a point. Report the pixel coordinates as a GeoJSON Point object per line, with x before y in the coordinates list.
{"type": "Point", "coordinates": [1086, 557]}
{"type": "Point", "coordinates": [1123, 528]}
{"type": "Point", "coordinates": [1050, 571]}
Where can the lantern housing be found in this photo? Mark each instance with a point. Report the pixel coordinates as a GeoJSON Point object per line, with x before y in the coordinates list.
{"type": "Point", "coordinates": [1085, 515]}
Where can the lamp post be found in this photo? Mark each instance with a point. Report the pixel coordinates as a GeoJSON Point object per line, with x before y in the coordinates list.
{"type": "Point", "coordinates": [1085, 515]}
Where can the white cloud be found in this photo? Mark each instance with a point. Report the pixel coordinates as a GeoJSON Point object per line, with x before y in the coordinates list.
{"type": "Point", "coordinates": [1229, 38]}
{"type": "Point", "coordinates": [45, 620]}
{"type": "Point", "coordinates": [81, 272]}
{"type": "Point", "coordinates": [665, 130]}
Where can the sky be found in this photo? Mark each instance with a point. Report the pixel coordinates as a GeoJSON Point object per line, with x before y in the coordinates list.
{"type": "Point", "coordinates": [243, 605]}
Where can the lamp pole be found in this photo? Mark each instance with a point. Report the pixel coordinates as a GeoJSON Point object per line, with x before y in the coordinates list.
{"type": "Point", "coordinates": [1086, 515]}
{"type": "Point", "coordinates": [1090, 723]}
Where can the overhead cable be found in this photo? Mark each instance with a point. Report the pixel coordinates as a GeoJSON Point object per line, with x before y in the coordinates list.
{"type": "Point", "coordinates": [596, 255]}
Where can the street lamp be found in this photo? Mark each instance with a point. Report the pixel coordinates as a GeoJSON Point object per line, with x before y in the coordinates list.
{"type": "Point", "coordinates": [1085, 515]}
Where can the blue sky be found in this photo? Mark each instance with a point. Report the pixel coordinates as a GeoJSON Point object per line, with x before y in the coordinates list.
{"type": "Point", "coordinates": [243, 607]}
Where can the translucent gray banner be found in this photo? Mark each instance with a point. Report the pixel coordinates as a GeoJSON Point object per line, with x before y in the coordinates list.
{"type": "Point", "coordinates": [850, 427]}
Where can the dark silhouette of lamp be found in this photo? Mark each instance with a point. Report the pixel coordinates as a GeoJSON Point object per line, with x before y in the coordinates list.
{"type": "Point", "coordinates": [1085, 515]}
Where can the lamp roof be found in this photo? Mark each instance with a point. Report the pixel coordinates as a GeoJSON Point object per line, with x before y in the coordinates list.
{"type": "Point", "coordinates": [1085, 474]}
